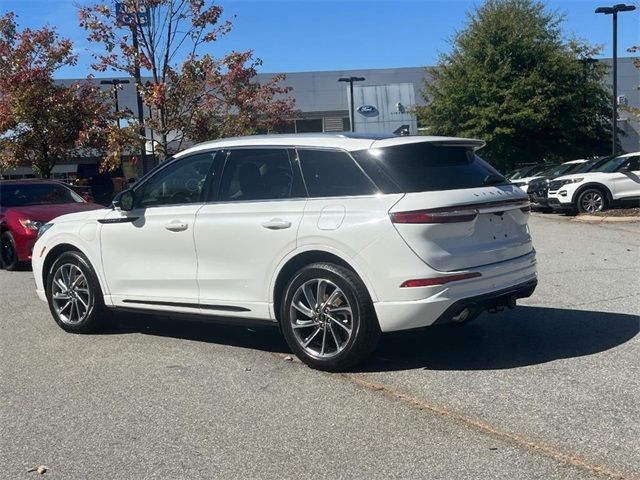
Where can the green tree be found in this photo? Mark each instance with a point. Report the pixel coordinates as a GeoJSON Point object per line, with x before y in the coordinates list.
{"type": "Point", "coordinates": [512, 80]}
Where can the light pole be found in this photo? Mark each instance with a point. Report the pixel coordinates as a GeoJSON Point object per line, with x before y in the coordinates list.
{"type": "Point", "coordinates": [115, 82]}
{"type": "Point", "coordinates": [350, 80]}
{"type": "Point", "coordinates": [620, 7]}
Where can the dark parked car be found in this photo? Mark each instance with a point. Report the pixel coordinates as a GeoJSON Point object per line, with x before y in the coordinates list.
{"type": "Point", "coordinates": [526, 171]}
{"type": "Point", "coordinates": [25, 205]}
{"type": "Point", "coordinates": [539, 188]}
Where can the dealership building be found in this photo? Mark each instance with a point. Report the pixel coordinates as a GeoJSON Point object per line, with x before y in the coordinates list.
{"type": "Point", "coordinates": [383, 103]}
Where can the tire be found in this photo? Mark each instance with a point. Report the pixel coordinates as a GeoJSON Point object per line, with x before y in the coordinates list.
{"type": "Point", "coordinates": [592, 200]}
{"type": "Point", "coordinates": [8, 253]}
{"type": "Point", "coordinates": [82, 310]}
{"type": "Point", "coordinates": [339, 336]}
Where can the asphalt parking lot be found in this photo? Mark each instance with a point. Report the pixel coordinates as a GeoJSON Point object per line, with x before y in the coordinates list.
{"type": "Point", "coordinates": [550, 390]}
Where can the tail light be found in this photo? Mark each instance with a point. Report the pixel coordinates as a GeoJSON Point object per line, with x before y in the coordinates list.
{"type": "Point", "coordinates": [429, 282]}
{"type": "Point", "coordinates": [437, 215]}
{"type": "Point", "coordinates": [459, 213]}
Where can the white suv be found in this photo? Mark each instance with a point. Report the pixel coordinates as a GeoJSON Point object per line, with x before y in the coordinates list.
{"type": "Point", "coordinates": [617, 180]}
{"type": "Point", "coordinates": [335, 238]}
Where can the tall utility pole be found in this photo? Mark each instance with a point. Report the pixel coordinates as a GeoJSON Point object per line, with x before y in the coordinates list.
{"type": "Point", "coordinates": [115, 82]}
{"type": "Point", "coordinates": [133, 19]}
{"type": "Point", "coordinates": [620, 7]}
{"type": "Point", "coordinates": [350, 80]}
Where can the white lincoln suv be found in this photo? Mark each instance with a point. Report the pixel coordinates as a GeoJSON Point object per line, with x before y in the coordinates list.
{"type": "Point", "coordinates": [335, 238]}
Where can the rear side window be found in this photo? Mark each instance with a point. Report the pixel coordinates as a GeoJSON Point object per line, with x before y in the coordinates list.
{"type": "Point", "coordinates": [258, 174]}
{"type": "Point", "coordinates": [424, 167]}
{"type": "Point", "coordinates": [332, 173]}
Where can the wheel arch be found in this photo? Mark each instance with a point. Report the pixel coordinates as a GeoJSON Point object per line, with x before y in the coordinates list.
{"type": "Point", "coordinates": [299, 260]}
{"type": "Point", "coordinates": [58, 250]}
{"type": "Point", "coordinates": [595, 185]}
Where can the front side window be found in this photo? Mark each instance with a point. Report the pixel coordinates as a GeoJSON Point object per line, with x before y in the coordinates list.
{"type": "Point", "coordinates": [257, 174]}
{"type": "Point", "coordinates": [333, 173]}
{"type": "Point", "coordinates": [182, 182]}
{"type": "Point", "coordinates": [634, 164]}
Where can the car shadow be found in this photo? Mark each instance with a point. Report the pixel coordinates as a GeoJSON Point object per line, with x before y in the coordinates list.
{"type": "Point", "coordinates": [516, 338]}
{"type": "Point", "coordinates": [266, 338]}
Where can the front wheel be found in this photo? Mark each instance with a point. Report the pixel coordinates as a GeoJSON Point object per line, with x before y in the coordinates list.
{"type": "Point", "coordinates": [327, 317]}
{"type": "Point", "coordinates": [592, 200]}
{"type": "Point", "coordinates": [74, 295]}
{"type": "Point", "coordinates": [8, 252]}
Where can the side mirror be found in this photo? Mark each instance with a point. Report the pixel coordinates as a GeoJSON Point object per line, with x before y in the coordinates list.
{"type": "Point", "coordinates": [124, 200]}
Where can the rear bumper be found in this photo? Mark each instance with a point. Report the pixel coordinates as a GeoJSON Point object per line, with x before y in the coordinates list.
{"type": "Point", "coordinates": [489, 301]}
{"type": "Point", "coordinates": [500, 285]}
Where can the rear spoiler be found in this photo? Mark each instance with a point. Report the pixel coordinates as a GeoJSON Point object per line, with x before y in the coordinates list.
{"type": "Point", "coordinates": [440, 141]}
{"type": "Point", "coordinates": [463, 142]}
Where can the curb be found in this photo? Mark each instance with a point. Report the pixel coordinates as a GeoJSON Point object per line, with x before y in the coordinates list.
{"type": "Point", "coordinates": [598, 219]}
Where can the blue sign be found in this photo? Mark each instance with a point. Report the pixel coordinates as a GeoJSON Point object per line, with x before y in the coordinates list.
{"type": "Point", "coordinates": [368, 110]}
{"type": "Point", "coordinates": [125, 16]}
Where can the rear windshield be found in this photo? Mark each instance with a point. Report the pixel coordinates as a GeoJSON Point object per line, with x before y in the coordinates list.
{"type": "Point", "coordinates": [425, 167]}
{"type": "Point", "coordinates": [20, 195]}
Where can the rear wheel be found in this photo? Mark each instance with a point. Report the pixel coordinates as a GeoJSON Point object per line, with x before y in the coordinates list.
{"type": "Point", "coordinates": [8, 252]}
{"type": "Point", "coordinates": [328, 318]}
{"type": "Point", "coordinates": [592, 200]}
{"type": "Point", "coordinates": [74, 295]}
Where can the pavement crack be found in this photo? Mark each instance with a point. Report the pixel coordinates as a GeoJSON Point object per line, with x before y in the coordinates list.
{"type": "Point", "coordinates": [549, 451]}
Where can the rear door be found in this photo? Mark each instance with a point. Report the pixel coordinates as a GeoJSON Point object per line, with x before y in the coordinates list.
{"type": "Point", "coordinates": [244, 231]}
{"type": "Point", "coordinates": [458, 212]}
{"type": "Point", "coordinates": [625, 183]}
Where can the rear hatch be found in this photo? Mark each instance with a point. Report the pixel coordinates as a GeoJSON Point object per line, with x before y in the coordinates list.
{"type": "Point", "coordinates": [458, 212]}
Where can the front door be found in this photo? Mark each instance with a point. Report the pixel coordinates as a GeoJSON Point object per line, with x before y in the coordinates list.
{"type": "Point", "coordinates": [249, 226]}
{"type": "Point", "coordinates": [148, 253]}
{"type": "Point", "coordinates": [626, 182]}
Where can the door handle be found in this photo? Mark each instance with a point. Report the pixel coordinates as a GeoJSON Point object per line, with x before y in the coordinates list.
{"type": "Point", "coordinates": [176, 226]}
{"type": "Point", "coordinates": [276, 224]}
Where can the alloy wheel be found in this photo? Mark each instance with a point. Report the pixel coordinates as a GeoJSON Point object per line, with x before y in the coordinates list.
{"type": "Point", "coordinates": [592, 202]}
{"type": "Point", "coordinates": [321, 318]}
{"type": "Point", "coordinates": [70, 294]}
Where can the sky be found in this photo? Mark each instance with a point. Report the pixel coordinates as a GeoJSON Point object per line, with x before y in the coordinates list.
{"type": "Point", "coordinates": [310, 35]}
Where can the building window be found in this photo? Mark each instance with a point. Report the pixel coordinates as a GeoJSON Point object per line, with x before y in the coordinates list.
{"type": "Point", "coordinates": [286, 127]}
{"type": "Point", "coordinates": [346, 124]}
{"type": "Point", "coordinates": [310, 125]}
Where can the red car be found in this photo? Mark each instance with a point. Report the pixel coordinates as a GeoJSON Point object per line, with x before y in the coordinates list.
{"type": "Point", "coordinates": [26, 205]}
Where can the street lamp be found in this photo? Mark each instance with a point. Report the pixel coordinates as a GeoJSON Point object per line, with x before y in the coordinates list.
{"type": "Point", "coordinates": [350, 80]}
{"type": "Point", "coordinates": [620, 7]}
{"type": "Point", "coordinates": [115, 82]}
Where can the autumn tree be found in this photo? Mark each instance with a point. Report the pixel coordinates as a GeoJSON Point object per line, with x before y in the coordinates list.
{"type": "Point", "coordinates": [193, 96]}
{"type": "Point", "coordinates": [512, 80]}
{"type": "Point", "coordinates": [41, 122]}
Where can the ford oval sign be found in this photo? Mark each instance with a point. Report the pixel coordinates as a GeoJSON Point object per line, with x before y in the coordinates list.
{"type": "Point", "coordinates": [368, 110]}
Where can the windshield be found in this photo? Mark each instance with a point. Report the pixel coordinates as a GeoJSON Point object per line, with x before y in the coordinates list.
{"type": "Point", "coordinates": [611, 165]}
{"type": "Point", "coordinates": [23, 194]}
{"type": "Point", "coordinates": [558, 170]}
{"type": "Point", "coordinates": [525, 172]}
{"type": "Point", "coordinates": [576, 168]}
